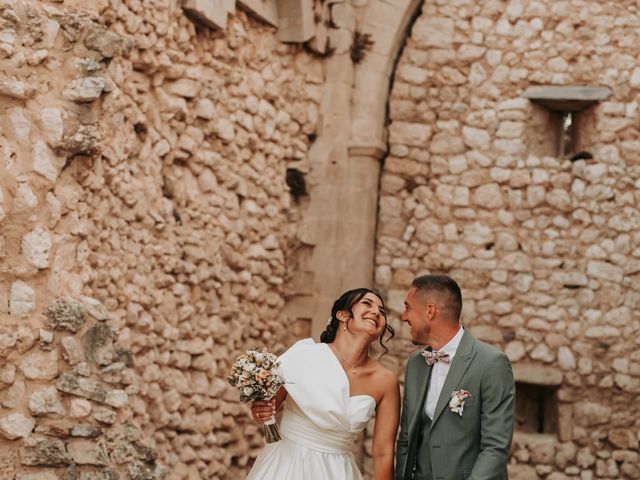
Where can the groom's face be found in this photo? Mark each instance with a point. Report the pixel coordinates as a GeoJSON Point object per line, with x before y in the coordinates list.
{"type": "Point", "coordinates": [417, 314]}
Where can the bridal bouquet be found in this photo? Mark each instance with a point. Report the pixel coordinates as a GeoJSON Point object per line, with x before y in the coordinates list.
{"type": "Point", "coordinates": [258, 377]}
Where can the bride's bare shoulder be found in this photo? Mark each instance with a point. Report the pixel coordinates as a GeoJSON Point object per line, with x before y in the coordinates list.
{"type": "Point", "coordinates": [385, 376]}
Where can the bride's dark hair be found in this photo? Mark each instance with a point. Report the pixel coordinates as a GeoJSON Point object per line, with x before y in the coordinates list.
{"type": "Point", "coordinates": [344, 303]}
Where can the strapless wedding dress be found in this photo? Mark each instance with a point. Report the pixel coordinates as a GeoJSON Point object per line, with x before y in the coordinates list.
{"type": "Point", "coordinates": [320, 420]}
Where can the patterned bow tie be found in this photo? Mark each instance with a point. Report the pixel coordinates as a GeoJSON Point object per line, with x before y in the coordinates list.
{"type": "Point", "coordinates": [435, 356]}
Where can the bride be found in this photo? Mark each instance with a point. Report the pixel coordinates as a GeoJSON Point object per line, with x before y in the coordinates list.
{"type": "Point", "coordinates": [333, 389]}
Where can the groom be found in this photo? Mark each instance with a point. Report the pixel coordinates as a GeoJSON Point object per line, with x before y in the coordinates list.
{"type": "Point", "coordinates": [459, 394]}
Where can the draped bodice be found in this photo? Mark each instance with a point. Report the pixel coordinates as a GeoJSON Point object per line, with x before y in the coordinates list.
{"type": "Point", "coordinates": [298, 428]}
{"type": "Point", "coordinates": [319, 412]}
{"type": "Point", "coordinates": [320, 420]}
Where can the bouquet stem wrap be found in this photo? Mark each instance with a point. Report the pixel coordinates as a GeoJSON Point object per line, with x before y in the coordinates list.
{"type": "Point", "coordinates": [271, 433]}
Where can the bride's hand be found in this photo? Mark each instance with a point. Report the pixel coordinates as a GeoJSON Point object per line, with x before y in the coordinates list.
{"type": "Point", "coordinates": [263, 410]}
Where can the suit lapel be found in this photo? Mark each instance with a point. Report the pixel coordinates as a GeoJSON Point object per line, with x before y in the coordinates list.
{"type": "Point", "coordinates": [461, 362]}
{"type": "Point", "coordinates": [422, 379]}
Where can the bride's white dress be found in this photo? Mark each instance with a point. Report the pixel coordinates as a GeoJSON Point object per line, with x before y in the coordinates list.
{"type": "Point", "coordinates": [320, 420]}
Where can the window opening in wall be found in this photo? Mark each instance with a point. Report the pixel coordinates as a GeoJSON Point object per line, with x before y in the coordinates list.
{"type": "Point", "coordinates": [567, 137]}
{"type": "Point", "coordinates": [566, 104]}
{"type": "Point", "coordinates": [536, 408]}
{"type": "Point", "coordinates": [565, 132]}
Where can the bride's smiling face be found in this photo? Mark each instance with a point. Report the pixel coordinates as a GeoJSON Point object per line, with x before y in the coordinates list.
{"type": "Point", "coordinates": [368, 315]}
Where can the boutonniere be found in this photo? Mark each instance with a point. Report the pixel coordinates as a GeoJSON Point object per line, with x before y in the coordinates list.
{"type": "Point", "coordinates": [456, 404]}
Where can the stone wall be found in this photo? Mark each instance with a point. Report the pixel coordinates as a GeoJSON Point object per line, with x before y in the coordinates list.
{"type": "Point", "coordinates": [144, 167]}
{"type": "Point", "coordinates": [546, 249]}
{"type": "Point", "coordinates": [65, 391]}
{"type": "Point", "coordinates": [194, 222]}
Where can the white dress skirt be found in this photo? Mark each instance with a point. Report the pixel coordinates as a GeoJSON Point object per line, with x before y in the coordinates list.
{"type": "Point", "coordinates": [320, 420]}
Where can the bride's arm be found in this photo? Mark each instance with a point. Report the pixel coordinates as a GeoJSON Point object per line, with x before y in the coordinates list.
{"type": "Point", "coordinates": [262, 410]}
{"type": "Point", "coordinates": [385, 429]}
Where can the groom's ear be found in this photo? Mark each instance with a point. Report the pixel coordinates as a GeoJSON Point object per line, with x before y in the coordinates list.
{"type": "Point", "coordinates": [430, 309]}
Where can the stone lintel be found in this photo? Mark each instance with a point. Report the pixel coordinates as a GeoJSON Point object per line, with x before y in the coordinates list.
{"type": "Point", "coordinates": [265, 10]}
{"type": "Point", "coordinates": [296, 24]}
{"type": "Point", "coordinates": [529, 438]}
{"type": "Point", "coordinates": [567, 97]}
{"type": "Point", "coordinates": [536, 374]}
{"type": "Point", "coordinates": [211, 13]}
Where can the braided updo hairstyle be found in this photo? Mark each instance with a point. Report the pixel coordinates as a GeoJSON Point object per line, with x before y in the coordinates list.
{"type": "Point", "coordinates": [344, 303]}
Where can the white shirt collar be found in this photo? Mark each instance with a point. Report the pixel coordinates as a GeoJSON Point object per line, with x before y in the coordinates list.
{"type": "Point", "coordinates": [451, 347]}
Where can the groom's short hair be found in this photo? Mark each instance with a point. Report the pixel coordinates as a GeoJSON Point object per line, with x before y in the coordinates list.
{"type": "Point", "coordinates": [447, 290]}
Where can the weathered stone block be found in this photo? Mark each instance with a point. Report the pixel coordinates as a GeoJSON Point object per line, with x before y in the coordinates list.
{"type": "Point", "coordinates": [81, 387]}
{"type": "Point", "coordinates": [65, 314]}
{"type": "Point", "coordinates": [605, 271]}
{"type": "Point", "coordinates": [522, 472]}
{"type": "Point", "coordinates": [627, 383]}
{"type": "Point", "coordinates": [21, 125]}
{"type": "Point", "coordinates": [25, 200]}
{"type": "Point", "coordinates": [296, 20]}
{"type": "Point", "coordinates": [108, 43]}
{"type": "Point", "coordinates": [84, 140]}
{"type": "Point", "coordinates": [7, 373]}
{"type": "Point", "coordinates": [515, 351]}
{"type": "Point", "coordinates": [488, 196]}
{"type": "Point", "coordinates": [87, 452]}
{"type": "Point", "coordinates": [36, 246]}
{"type": "Point", "coordinates": [87, 431]}
{"type": "Point", "coordinates": [432, 31]}
{"type": "Point", "coordinates": [14, 396]}
{"type": "Point", "coordinates": [22, 300]}
{"type": "Point", "coordinates": [411, 134]}
{"type": "Point", "coordinates": [266, 10]}
{"type": "Point", "coordinates": [117, 398]}
{"type": "Point", "coordinates": [446, 143]}
{"type": "Point", "coordinates": [40, 365]}
{"type": "Point", "coordinates": [602, 332]}
{"type": "Point", "coordinates": [623, 438]}
{"type": "Point", "coordinates": [185, 87]}
{"type": "Point", "coordinates": [16, 425]}
{"type": "Point", "coordinates": [71, 350]}
{"type": "Point", "coordinates": [537, 374]}
{"type": "Point", "coordinates": [98, 344]}
{"type": "Point", "coordinates": [476, 137]}
{"type": "Point", "coordinates": [104, 415]}
{"type": "Point", "coordinates": [44, 452]}
{"type": "Point", "coordinates": [46, 401]}
{"type": "Point", "coordinates": [102, 474]}
{"type": "Point", "coordinates": [37, 476]}
{"type": "Point", "coordinates": [95, 308]}
{"type": "Point", "coordinates": [14, 88]}
{"type": "Point", "coordinates": [140, 471]}
{"type": "Point", "coordinates": [83, 90]}
{"type": "Point", "coordinates": [588, 414]}
{"type": "Point", "coordinates": [79, 407]}
{"type": "Point", "coordinates": [566, 359]}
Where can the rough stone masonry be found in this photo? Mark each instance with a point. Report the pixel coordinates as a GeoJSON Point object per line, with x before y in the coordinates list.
{"type": "Point", "coordinates": [148, 236]}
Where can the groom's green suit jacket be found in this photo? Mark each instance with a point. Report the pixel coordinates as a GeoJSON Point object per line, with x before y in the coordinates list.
{"type": "Point", "coordinates": [471, 446]}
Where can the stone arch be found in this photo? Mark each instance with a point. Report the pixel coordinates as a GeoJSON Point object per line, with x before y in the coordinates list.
{"type": "Point", "coordinates": [388, 23]}
{"type": "Point", "coordinates": [340, 221]}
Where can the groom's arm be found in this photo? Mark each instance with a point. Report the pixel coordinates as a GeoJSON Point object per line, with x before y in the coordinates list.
{"type": "Point", "coordinates": [497, 418]}
{"type": "Point", "coordinates": [403, 439]}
